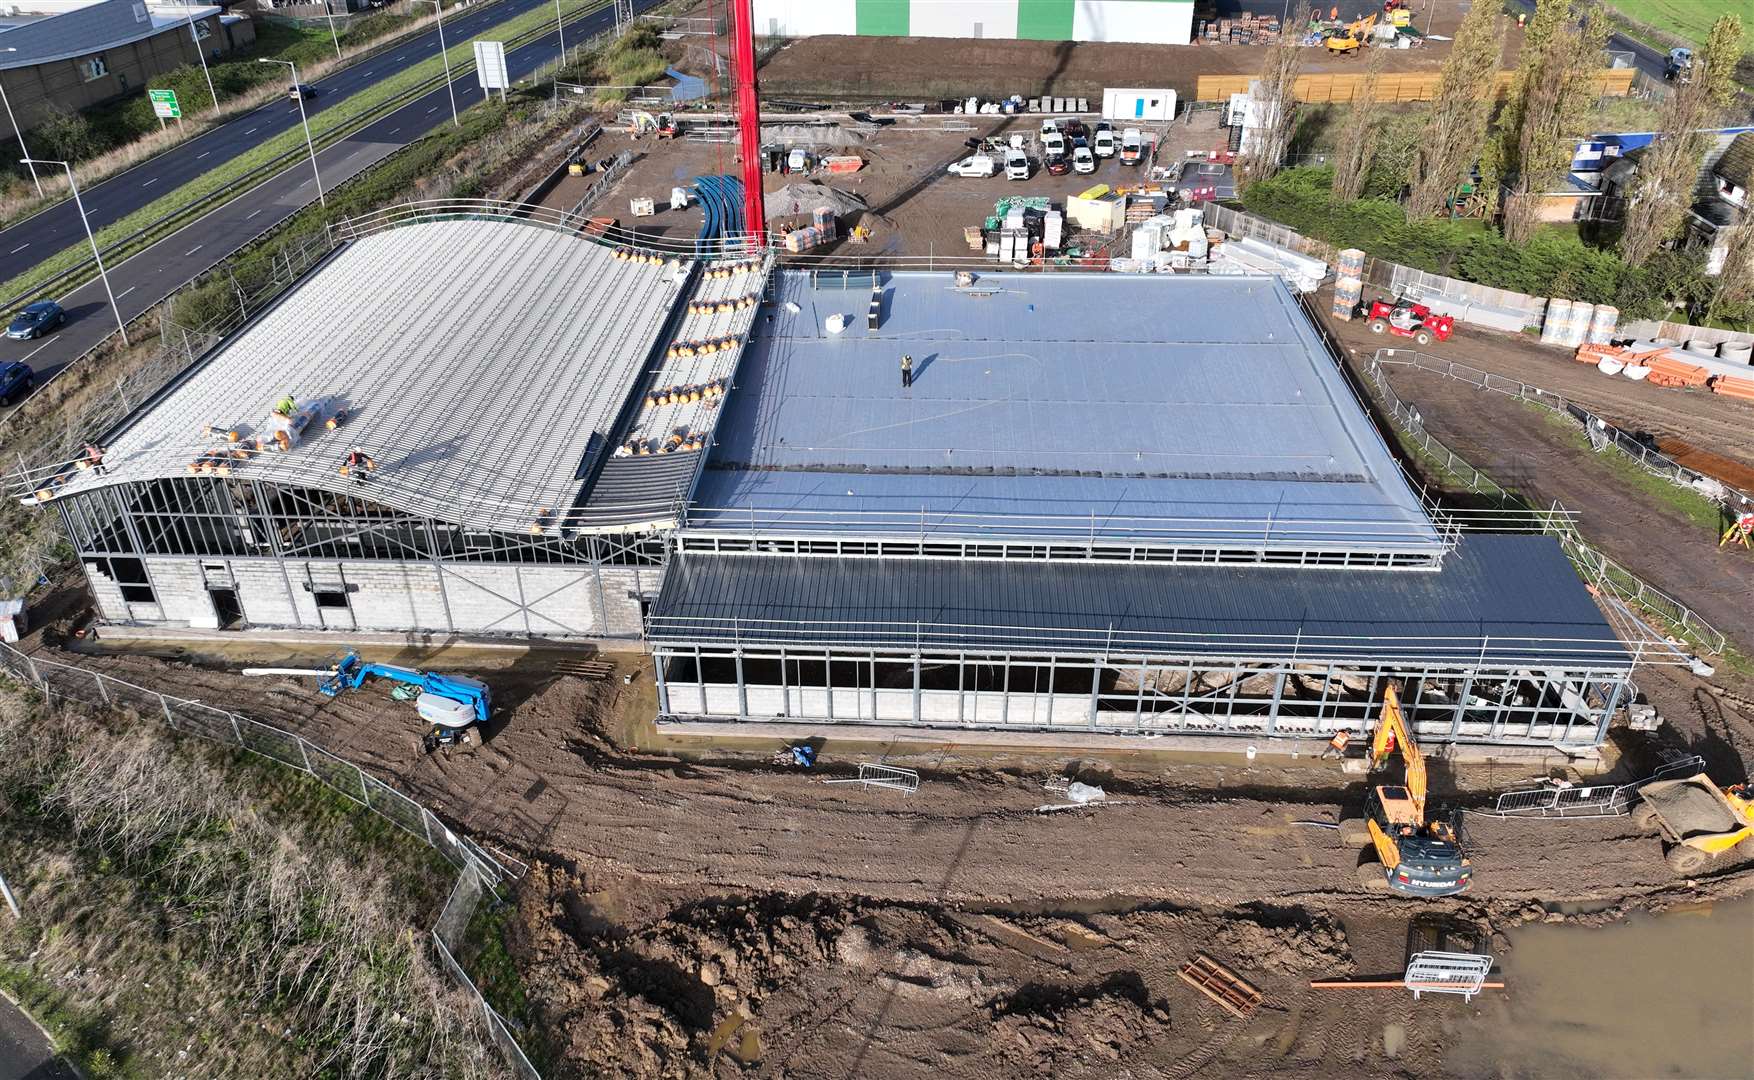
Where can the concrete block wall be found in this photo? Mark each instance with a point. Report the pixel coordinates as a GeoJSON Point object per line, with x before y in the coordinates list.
{"type": "Point", "coordinates": [542, 601]}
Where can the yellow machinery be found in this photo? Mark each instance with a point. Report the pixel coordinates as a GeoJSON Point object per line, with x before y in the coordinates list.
{"type": "Point", "coordinates": [1414, 856]}
{"type": "Point", "coordinates": [1351, 37]}
{"type": "Point", "coordinates": [1698, 820]}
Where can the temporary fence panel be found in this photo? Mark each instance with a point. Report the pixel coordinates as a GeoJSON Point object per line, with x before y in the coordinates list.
{"type": "Point", "coordinates": [1447, 973]}
{"type": "Point", "coordinates": [1391, 86]}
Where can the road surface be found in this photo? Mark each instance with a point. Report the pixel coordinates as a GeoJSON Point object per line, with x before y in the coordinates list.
{"type": "Point", "coordinates": [24, 1053]}
{"type": "Point", "coordinates": [35, 238]}
{"type": "Point", "coordinates": [148, 277]}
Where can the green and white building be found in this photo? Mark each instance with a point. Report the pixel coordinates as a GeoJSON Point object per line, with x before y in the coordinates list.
{"type": "Point", "coordinates": [1164, 22]}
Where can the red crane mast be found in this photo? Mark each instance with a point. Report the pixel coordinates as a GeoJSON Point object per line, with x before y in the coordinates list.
{"type": "Point", "coordinates": [748, 103]}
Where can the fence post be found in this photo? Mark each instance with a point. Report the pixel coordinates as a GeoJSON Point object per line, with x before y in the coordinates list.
{"type": "Point", "coordinates": [166, 706]}
{"type": "Point", "coordinates": [236, 730]}
{"type": "Point", "coordinates": [305, 754]}
{"type": "Point", "coordinates": [365, 790]}
{"type": "Point", "coordinates": [35, 675]}
{"type": "Point", "coordinates": [99, 679]}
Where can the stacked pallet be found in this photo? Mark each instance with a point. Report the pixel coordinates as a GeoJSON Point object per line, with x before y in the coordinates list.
{"type": "Point", "coordinates": [1242, 30]}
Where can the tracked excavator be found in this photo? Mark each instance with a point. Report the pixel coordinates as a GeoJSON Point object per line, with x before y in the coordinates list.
{"type": "Point", "coordinates": [1410, 853]}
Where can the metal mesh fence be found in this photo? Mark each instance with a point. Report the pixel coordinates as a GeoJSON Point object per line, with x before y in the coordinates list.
{"type": "Point", "coordinates": [479, 872]}
{"type": "Point", "coordinates": [1592, 565]}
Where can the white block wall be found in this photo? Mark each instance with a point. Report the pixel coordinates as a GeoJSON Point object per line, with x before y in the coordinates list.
{"type": "Point", "coordinates": [541, 601]}
{"type": "Point", "coordinates": [1133, 20]}
{"type": "Point", "coordinates": [961, 19]}
{"type": "Point", "coordinates": [804, 18]}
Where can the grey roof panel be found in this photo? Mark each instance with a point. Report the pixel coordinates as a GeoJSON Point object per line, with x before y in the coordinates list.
{"type": "Point", "coordinates": [1500, 600]}
{"type": "Point", "coordinates": [1051, 396]}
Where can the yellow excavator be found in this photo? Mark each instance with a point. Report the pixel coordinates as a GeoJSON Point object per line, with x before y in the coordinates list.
{"type": "Point", "coordinates": [1348, 39]}
{"type": "Point", "coordinates": [1414, 855]}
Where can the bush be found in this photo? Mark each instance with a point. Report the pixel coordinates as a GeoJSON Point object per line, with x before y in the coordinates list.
{"type": "Point", "coordinates": [1554, 263]}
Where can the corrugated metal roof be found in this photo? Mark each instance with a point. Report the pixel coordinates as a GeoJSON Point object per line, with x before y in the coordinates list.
{"type": "Point", "coordinates": [1044, 396]}
{"type": "Point", "coordinates": [1500, 600]}
{"type": "Point", "coordinates": [481, 364]}
{"type": "Point", "coordinates": [70, 29]}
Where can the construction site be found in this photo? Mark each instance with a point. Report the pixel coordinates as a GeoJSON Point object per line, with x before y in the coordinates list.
{"type": "Point", "coordinates": [926, 588]}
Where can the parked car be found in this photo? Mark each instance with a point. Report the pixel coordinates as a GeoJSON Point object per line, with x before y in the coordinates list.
{"type": "Point", "coordinates": [42, 317]}
{"type": "Point", "coordinates": [1132, 147]}
{"type": "Point", "coordinates": [1057, 164]}
{"type": "Point", "coordinates": [1075, 130]}
{"type": "Point", "coordinates": [1083, 160]}
{"type": "Point", "coordinates": [1016, 165]}
{"type": "Point", "coordinates": [16, 379]}
{"type": "Point", "coordinates": [300, 92]}
{"type": "Point", "coordinates": [1049, 125]}
{"type": "Point", "coordinates": [1053, 144]}
{"type": "Point", "coordinates": [1678, 66]}
{"type": "Point", "coordinates": [974, 165]}
{"type": "Point", "coordinates": [1105, 141]}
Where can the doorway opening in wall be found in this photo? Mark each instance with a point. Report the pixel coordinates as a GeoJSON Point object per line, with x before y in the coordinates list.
{"type": "Point", "coordinates": [327, 598]}
{"type": "Point", "coordinates": [226, 608]}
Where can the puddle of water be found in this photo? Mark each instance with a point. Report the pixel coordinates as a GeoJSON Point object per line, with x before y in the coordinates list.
{"type": "Point", "coordinates": [1650, 997]}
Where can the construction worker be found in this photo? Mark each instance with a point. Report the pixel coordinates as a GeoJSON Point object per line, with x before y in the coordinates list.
{"type": "Point", "coordinates": [94, 459]}
{"type": "Point", "coordinates": [1337, 745]}
{"type": "Point", "coordinates": [358, 465]}
{"type": "Point", "coordinates": [907, 371]}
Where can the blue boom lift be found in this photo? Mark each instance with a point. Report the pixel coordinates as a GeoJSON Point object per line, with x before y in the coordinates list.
{"type": "Point", "coordinates": [451, 703]}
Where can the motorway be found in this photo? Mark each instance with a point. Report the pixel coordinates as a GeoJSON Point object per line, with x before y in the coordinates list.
{"type": "Point", "coordinates": [148, 277]}
{"type": "Point", "coordinates": [25, 1054]}
{"type": "Point", "coordinates": [27, 242]}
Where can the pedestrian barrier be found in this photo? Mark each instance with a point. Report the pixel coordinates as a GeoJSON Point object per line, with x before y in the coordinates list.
{"type": "Point", "coordinates": [906, 781]}
{"type": "Point", "coordinates": [1447, 973]}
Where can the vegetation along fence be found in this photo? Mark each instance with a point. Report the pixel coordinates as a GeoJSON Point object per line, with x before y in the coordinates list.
{"type": "Point", "coordinates": [1596, 568]}
{"type": "Point", "coordinates": [1391, 86]}
{"type": "Point", "coordinates": [479, 872]}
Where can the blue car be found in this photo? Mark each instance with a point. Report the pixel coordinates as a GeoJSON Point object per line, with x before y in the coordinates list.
{"type": "Point", "coordinates": [36, 320]}
{"type": "Point", "coordinates": [15, 381]}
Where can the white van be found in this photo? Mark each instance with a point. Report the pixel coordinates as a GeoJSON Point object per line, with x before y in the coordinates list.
{"type": "Point", "coordinates": [1016, 165]}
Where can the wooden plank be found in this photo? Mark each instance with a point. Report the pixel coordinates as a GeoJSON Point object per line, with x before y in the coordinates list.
{"type": "Point", "coordinates": [1231, 991]}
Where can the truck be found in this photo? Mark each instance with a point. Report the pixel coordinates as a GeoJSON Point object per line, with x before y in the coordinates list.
{"type": "Point", "coordinates": [1697, 820]}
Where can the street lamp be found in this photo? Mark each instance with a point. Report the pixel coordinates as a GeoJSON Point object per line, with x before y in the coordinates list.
{"type": "Point", "coordinates": [95, 254]}
{"type": "Point", "coordinates": [298, 94]}
{"type": "Point", "coordinates": [330, 13]}
{"type": "Point", "coordinates": [444, 54]}
{"type": "Point", "coordinates": [202, 53]}
{"type": "Point", "coordinates": [560, 28]}
{"type": "Point", "coordinates": [13, 120]}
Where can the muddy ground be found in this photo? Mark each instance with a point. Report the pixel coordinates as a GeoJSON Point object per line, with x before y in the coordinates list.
{"type": "Point", "coordinates": [710, 913]}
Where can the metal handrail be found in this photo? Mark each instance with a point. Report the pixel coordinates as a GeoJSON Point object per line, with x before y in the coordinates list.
{"type": "Point", "coordinates": [1473, 650]}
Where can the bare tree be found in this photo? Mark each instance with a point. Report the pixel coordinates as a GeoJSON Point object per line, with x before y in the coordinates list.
{"type": "Point", "coordinates": [1455, 133]}
{"type": "Point", "coordinates": [1358, 134]}
{"type": "Point", "coordinates": [1275, 104]}
{"type": "Point", "coordinates": [1735, 282]}
{"type": "Point", "coordinates": [1552, 106]}
{"type": "Point", "coordinates": [1668, 170]}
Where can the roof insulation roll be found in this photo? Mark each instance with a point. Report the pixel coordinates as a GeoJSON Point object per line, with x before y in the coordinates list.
{"type": "Point", "coordinates": [1603, 324]}
{"type": "Point", "coordinates": [1553, 327]}
{"type": "Point", "coordinates": [1577, 324]}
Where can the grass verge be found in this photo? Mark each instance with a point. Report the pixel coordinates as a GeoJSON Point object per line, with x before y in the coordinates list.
{"type": "Point", "coordinates": [1699, 511]}
{"type": "Point", "coordinates": [324, 124]}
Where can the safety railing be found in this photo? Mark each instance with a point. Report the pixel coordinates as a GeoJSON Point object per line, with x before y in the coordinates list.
{"type": "Point", "coordinates": [1458, 649]}
{"type": "Point", "coordinates": [1595, 567]}
{"type": "Point", "coordinates": [480, 871]}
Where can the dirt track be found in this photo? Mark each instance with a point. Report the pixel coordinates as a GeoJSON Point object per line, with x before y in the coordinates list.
{"type": "Point", "coordinates": [957, 931]}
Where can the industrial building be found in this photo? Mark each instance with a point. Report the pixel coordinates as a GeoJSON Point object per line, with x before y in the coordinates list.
{"type": "Point", "coordinates": [64, 55]}
{"type": "Point", "coordinates": [1156, 22]}
{"type": "Point", "coordinates": [1106, 503]}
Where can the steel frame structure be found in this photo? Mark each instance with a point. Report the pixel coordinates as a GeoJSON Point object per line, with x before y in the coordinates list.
{"type": "Point", "coordinates": [1132, 694]}
{"type": "Point", "coordinates": [120, 527]}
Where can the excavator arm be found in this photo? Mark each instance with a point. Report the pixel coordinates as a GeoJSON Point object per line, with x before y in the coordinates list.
{"type": "Point", "coordinates": [352, 672]}
{"type": "Point", "coordinates": [1392, 735]}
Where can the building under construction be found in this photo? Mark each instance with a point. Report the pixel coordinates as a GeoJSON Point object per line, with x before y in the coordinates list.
{"type": "Point", "coordinates": [1105, 503]}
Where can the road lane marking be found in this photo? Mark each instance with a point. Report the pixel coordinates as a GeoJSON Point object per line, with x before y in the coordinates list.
{"type": "Point", "coordinates": [126, 291]}
{"type": "Point", "coordinates": [36, 350]}
{"type": "Point", "coordinates": [192, 250]}
{"type": "Point", "coordinates": [433, 109]}
{"type": "Point", "coordinates": [392, 131]}
{"type": "Point", "coordinates": [397, 60]}
{"type": "Point", "coordinates": [252, 214]}
{"type": "Point", "coordinates": [202, 154]}
{"type": "Point", "coordinates": [252, 131]}
{"type": "Point", "coordinates": [150, 182]}
{"type": "Point", "coordinates": [18, 249]}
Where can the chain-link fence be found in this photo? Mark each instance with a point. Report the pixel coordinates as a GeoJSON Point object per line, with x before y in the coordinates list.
{"type": "Point", "coordinates": [480, 872]}
{"type": "Point", "coordinates": [1592, 565]}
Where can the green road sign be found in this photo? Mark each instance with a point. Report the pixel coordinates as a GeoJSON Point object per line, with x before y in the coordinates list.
{"type": "Point", "coordinates": [164, 104]}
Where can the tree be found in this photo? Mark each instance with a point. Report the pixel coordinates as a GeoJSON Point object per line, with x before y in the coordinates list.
{"type": "Point", "coordinates": [1454, 135]}
{"type": "Point", "coordinates": [1734, 286]}
{"type": "Point", "coordinates": [65, 136]}
{"type": "Point", "coordinates": [1552, 99]}
{"type": "Point", "coordinates": [1358, 134]}
{"type": "Point", "coordinates": [1668, 170]}
{"type": "Point", "coordinates": [1275, 104]}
